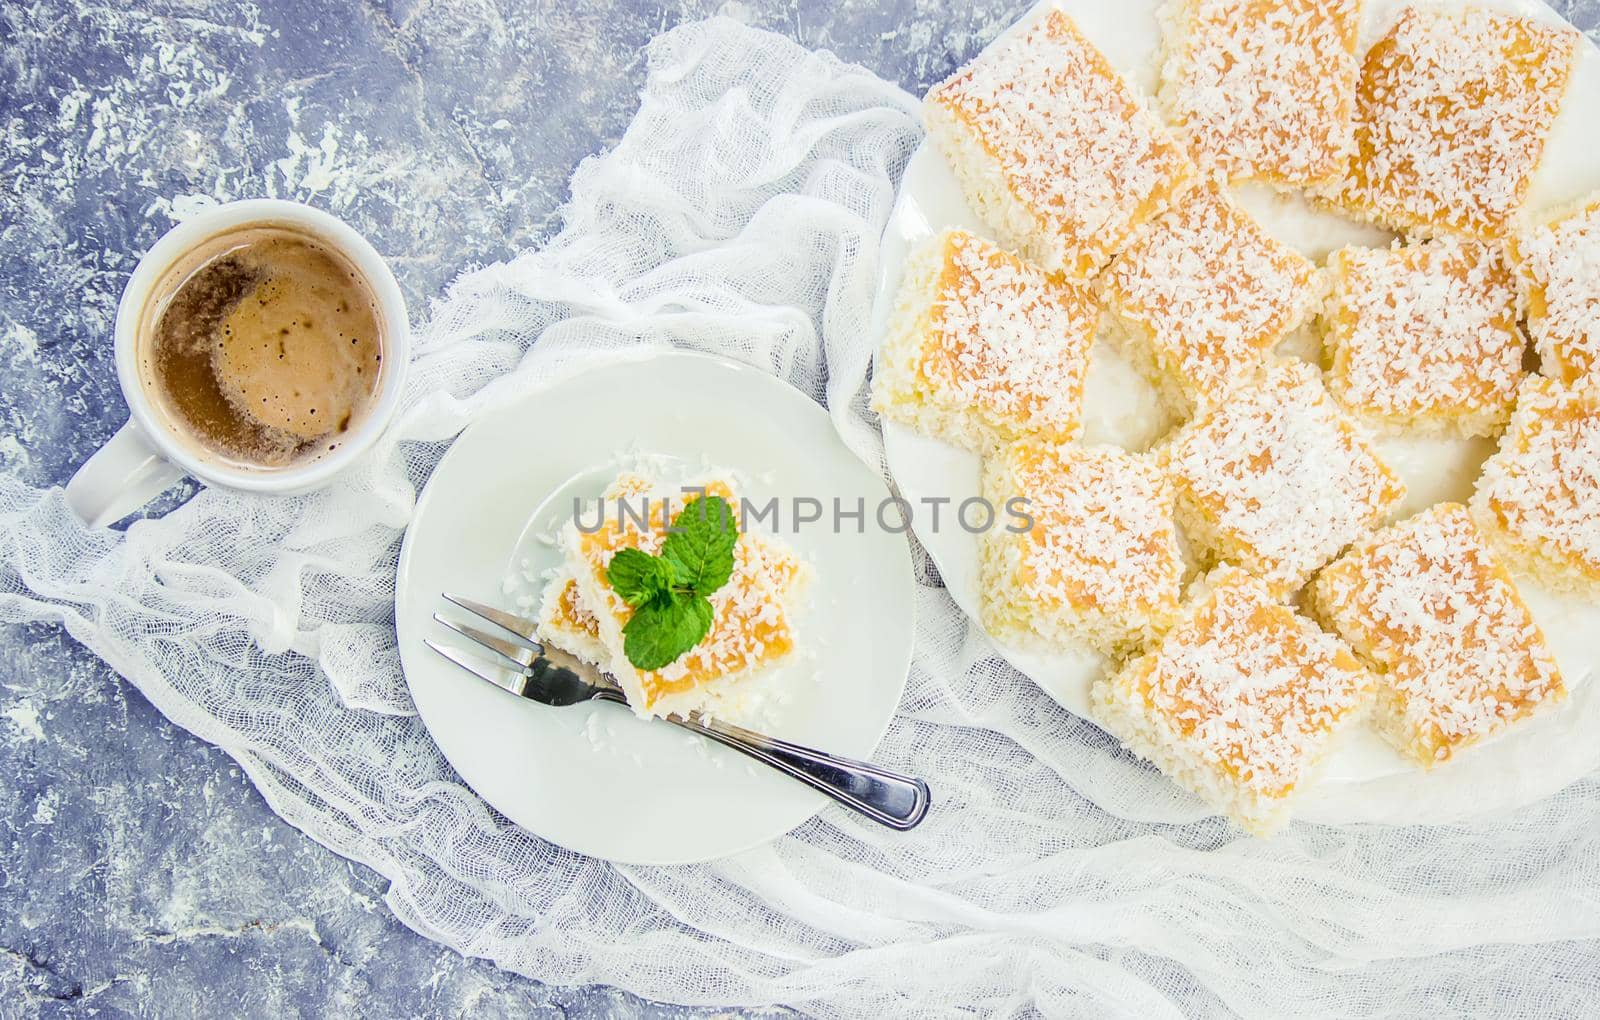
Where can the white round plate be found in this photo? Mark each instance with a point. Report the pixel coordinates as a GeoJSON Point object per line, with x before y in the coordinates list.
{"type": "Point", "coordinates": [593, 778]}
{"type": "Point", "coordinates": [1364, 779]}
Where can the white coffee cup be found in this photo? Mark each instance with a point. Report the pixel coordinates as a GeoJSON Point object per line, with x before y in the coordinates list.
{"type": "Point", "coordinates": [149, 454]}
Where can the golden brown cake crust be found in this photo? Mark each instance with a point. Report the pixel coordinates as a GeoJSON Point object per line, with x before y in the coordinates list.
{"type": "Point", "coordinates": [1558, 264]}
{"type": "Point", "coordinates": [1239, 700]}
{"type": "Point", "coordinates": [1452, 111]}
{"type": "Point", "coordinates": [1430, 604]}
{"type": "Point", "coordinates": [1072, 160]}
{"type": "Point", "coordinates": [1208, 292]}
{"type": "Point", "coordinates": [1263, 89]}
{"type": "Point", "coordinates": [1425, 336]}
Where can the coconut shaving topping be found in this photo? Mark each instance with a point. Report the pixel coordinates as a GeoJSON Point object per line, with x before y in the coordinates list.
{"type": "Point", "coordinates": [1426, 329]}
{"type": "Point", "coordinates": [1076, 145]}
{"type": "Point", "coordinates": [1010, 338]}
{"type": "Point", "coordinates": [1429, 603]}
{"type": "Point", "coordinates": [1265, 90]}
{"type": "Point", "coordinates": [1255, 687]}
{"type": "Point", "coordinates": [1281, 471]}
{"type": "Point", "coordinates": [1451, 116]}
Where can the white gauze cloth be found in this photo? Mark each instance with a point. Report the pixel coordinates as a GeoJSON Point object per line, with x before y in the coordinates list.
{"type": "Point", "coordinates": [741, 214]}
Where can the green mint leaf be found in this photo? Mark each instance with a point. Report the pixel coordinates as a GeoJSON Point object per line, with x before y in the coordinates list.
{"type": "Point", "coordinates": [664, 628]}
{"type": "Point", "coordinates": [638, 577]}
{"type": "Point", "coordinates": [700, 546]}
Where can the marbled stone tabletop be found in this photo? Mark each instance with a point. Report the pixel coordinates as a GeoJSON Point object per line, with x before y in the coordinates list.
{"type": "Point", "coordinates": [142, 875]}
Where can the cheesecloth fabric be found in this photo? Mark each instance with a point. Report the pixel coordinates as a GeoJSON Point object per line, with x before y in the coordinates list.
{"type": "Point", "coordinates": [1056, 875]}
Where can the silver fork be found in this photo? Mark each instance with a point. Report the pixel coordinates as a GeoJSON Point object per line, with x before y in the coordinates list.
{"type": "Point", "coordinates": [552, 677]}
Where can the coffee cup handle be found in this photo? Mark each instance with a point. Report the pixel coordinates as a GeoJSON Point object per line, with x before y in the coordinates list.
{"type": "Point", "coordinates": [121, 477]}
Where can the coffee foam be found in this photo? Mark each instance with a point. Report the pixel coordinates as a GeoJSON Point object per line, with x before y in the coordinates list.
{"type": "Point", "coordinates": [276, 362]}
{"type": "Point", "coordinates": [263, 347]}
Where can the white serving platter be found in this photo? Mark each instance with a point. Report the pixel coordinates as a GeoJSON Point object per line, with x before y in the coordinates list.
{"type": "Point", "coordinates": [1364, 779]}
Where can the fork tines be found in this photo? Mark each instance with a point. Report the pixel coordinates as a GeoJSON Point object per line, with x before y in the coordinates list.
{"type": "Point", "coordinates": [523, 628]}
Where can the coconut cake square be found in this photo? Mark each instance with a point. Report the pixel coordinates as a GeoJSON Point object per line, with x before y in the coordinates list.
{"type": "Point", "coordinates": [1453, 107]}
{"type": "Point", "coordinates": [1425, 335]}
{"type": "Point", "coordinates": [1239, 701]}
{"type": "Point", "coordinates": [1263, 90]}
{"type": "Point", "coordinates": [1458, 652]}
{"type": "Point", "coordinates": [983, 347]}
{"type": "Point", "coordinates": [1558, 266]}
{"type": "Point", "coordinates": [1201, 295]}
{"type": "Point", "coordinates": [1060, 157]}
{"type": "Point", "coordinates": [1277, 479]}
{"type": "Point", "coordinates": [752, 629]}
{"type": "Point", "coordinates": [1099, 562]}
{"type": "Point", "coordinates": [1538, 496]}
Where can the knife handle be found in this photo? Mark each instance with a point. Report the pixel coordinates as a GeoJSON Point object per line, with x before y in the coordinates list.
{"type": "Point", "coordinates": [888, 798]}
